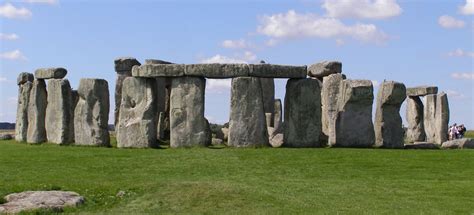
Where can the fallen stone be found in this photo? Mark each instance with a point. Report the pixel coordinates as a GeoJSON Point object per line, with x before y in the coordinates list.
{"type": "Point", "coordinates": [123, 68]}
{"type": "Point", "coordinates": [21, 126]}
{"type": "Point", "coordinates": [329, 96]}
{"type": "Point", "coordinates": [24, 77]}
{"type": "Point", "coordinates": [325, 68]}
{"type": "Point", "coordinates": [389, 132]}
{"type": "Point", "coordinates": [217, 141]}
{"type": "Point", "coordinates": [91, 115]}
{"type": "Point", "coordinates": [354, 127]}
{"type": "Point", "coordinates": [414, 116]}
{"type": "Point", "coordinates": [35, 200]}
{"type": "Point", "coordinates": [59, 116]}
{"type": "Point", "coordinates": [37, 112]}
{"type": "Point", "coordinates": [422, 145]}
{"type": "Point", "coordinates": [137, 120]}
{"type": "Point", "coordinates": [277, 115]}
{"type": "Point", "coordinates": [276, 136]}
{"type": "Point", "coordinates": [277, 71]}
{"type": "Point", "coordinates": [6, 137]}
{"type": "Point", "coordinates": [464, 143]}
{"type": "Point", "coordinates": [50, 73]}
{"type": "Point", "coordinates": [187, 123]}
{"type": "Point", "coordinates": [158, 70]}
{"type": "Point", "coordinates": [247, 126]}
{"type": "Point", "coordinates": [216, 70]}
{"type": "Point", "coordinates": [422, 91]}
{"type": "Point", "coordinates": [302, 113]}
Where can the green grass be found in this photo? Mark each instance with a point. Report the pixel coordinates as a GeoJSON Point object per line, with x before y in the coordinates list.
{"type": "Point", "coordinates": [469, 134]}
{"type": "Point", "coordinates": [246, 181]}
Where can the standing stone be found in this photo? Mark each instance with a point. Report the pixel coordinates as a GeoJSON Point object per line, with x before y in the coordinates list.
{"type": "Point", "coordinates": [59, 115]}
{"type": "Point", "coordinates": [37, 112]}
{"type": "Point", "coordinates": [277, 116]}
{"type": "Point", "coordinates": [91, 115]}
{"type": "Point", "coordinates": [187, 123]}
{"type": "Point", "coordinates": [436, 118]}
{"type": "Point", "coordinates": [21, 126]}
{"type": "Point", "coordinates": [414, 117]}
{"type": "Point", "coordinates": [247, 126]}
{"type": "Point", "coordinates": [329, 97]}
{"type": "Point", "coordinates": [354, 127]}
{"type": "Point", "coordinates": [302, 113]}
{"type": "Point", "coordinates": [24, 77]}
{"type": "Point", "coordinates": [388, 126]}
{"type": "Point", "coordinates": [268, 91]}
{"type": "Point", "coordinates": [123, 68]}
{"type": "Point", "coordinates": [137, 119]}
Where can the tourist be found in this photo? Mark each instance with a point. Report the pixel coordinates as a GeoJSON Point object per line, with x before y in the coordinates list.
{"type": "Point", "coordinates": [461, 130]}
{"type": "Point", "coordinates": [453, 132]}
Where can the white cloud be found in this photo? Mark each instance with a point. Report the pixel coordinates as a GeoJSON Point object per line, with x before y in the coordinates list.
{"type": "Point", "coordinates": [460, 53]}
{"type": "Point", "coordinates": [235, 44]}
{"type": "Point", "coordinates": [271, 42]}
{"type": "Point", "coordinates": [8, 36]}
{"type": "Point", "coordinates": [468, 8]}
{"type": "Point", "coordinates": [455, 94]}
{"type": "Point", "coordinates": [51, 2]}
{"type": "Point", "coordinates": [293, 25]}
{"type": "Point", "coordinates": [365, 9]}
{"type": "Point", "coordinates": [446, 21]}
{"type": "Point", "coordinates": [13, 55]}
{"type": "Point", "coordinates": [11, 12]}
{"type": "Point", "coordinates": [246, 57]}
{"type": "Point", "coordinates": [463, 76]}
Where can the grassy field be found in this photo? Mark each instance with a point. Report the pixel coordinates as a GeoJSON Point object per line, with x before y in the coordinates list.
{"type": "Point", "coordinates": [246, 181]}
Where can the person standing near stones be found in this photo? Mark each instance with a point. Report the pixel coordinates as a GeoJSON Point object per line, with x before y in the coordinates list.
{"type": "Point", "coordinates": [453, 132]}
{"type": "Point", "coordinates": [462, 130]}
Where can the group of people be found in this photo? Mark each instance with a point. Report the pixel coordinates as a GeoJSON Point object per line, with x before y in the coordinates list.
{"type": "Point", "coordinates": [456, 131]}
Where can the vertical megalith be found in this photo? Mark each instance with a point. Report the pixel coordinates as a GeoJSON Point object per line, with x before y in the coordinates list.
{"type": "Point", "coordinates": [329, 97]}
{"type": "Point", "coordinates": [91, 115]}
{"type": "Point", "coordinates": [278, 114]}
{"type": "Point", "coordinates": [268, 92]}
{"type": "Point", "coordinates": [302, 113]}
{"type": "Point", "coordinates": [414, 116]}
{"type": "Point", "coordinates": [24, 87]}
{"type": "Point", "coordinates": [436, 118]}
{"type": "Point", "coordinates": [137, 120]}
{"type": "Point", "coordinates": [123, 68]}
{"type": "Point", "coordinates": [354, 127]}
{"type": "Point", "coordinates": [188, 127]}
{"type": "Point", "coordinates": [37, 112]}
{"type": "Point", "coordinates": [247, 126]}
{"type": "Point", "coordinates": [388, 126]}
{"type": "Point", "coordinates": [59, 115]}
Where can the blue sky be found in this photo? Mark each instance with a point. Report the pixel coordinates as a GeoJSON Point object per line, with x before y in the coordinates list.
{"type": "Point", "coordinates": [422, 42]}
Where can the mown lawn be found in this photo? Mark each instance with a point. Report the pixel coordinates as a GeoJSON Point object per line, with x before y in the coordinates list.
{"type": "Point", "coordinates": [246, 181]}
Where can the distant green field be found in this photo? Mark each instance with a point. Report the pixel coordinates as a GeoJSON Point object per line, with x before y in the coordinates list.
{"type": "Point", "coordinates": [246, 181]}
{"type": "Point", "coordinates": [469, 134]}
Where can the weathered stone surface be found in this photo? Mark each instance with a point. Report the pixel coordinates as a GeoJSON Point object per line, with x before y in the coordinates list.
{"type": "Point", "coordinates": [354, 127]}
{"type": "Point", "coordinates": [325, 68]}
{"type": "Point", "coordinates": [225, 132]}
{"type": "Point", "coordinates": [277, 71]}
{"type": "Point", "coordinates": [268, 92]}
{"type": "Point", "coordinates": [123, 68]}
{"type": "Point", "coordinates": [21, 126]}
{"type": "Point", "coordinates": [436, 118]}
{"type": "Point", "coordinates": [35, 200]}
{"type": "Point", "coordinates": [464, 143]}
{"type": "Point", "coordinates": [414, 116]}
{"type": "Point", "coordinates": [302, 113]}
{"type": "Point", "coordinates": [275, 136]}
{"type": "Point", "coordinates": [158, 70]}
{"type": "Point", "coordinates": [217, 141]}
{"type": "Point", "coordinates": [125, 64]}
{"type": "Point", "coordinates": [160, 129]}
{"type": "Point", "coordinates": [50, 73]}
{"type": "Point", "coordinates": [6, 137]}
{"type": "Point", "coordinates": [187, 123]}
{"type": "Point", "coordinates": [37, 112]}
{"type": "Point", "coordinates": [329, 96]}
{"type": "Point", "coordinates": [91, 115]}
{"type": "Point", "coordinates": [277, 115]}
{"type": "Point", "coordinates": [388, 126]}
{"type": "Point", "coordinates": [156, 61]}
{"type": "Point", "coordinates": [137, 120]}
{"type": "Point", "coordinates": [216, 70]}
{"type": "Point", "coordinates": [422, 145]}
{"type": "Point", "coordinates": [422, 91]}
{"type": "Point", "coordinates": [59, 113]}
{"type": "Point", "coordinates": [24, 77]}
{"type": "Point", "coordinates": [247, 126]}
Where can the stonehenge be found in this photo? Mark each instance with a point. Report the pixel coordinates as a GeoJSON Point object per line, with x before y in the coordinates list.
{"type": "Point", "coordinates": [159, 101]}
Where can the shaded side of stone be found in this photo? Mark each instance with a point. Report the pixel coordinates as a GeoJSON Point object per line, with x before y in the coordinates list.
{"type": "Point", "coordinates": [278, 114]}
{"type": "Point", "coordinates": [37, 112]}
{"type": "Point", "coordinates": [414, 116]}
{"type": "Point", "coordinates": [268, 92]}
{"type": "Point", "coordinates": [24, 77]}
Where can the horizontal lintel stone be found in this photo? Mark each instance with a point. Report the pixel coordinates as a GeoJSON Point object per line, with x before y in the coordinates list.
{"type": "Point", "coordinates": [158, 70]}
{"type": "Point", "coordinates": [50, 73]}
{"type": "Point", "coordinates": [216, 70]}
{"type": "Point", "coordinates": [277, 71]}
{"type": "Point", "coordinates": [422, 90]}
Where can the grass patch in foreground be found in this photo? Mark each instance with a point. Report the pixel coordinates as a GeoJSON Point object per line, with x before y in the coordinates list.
{"type": "Point", "coordinates": [242, 181]}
